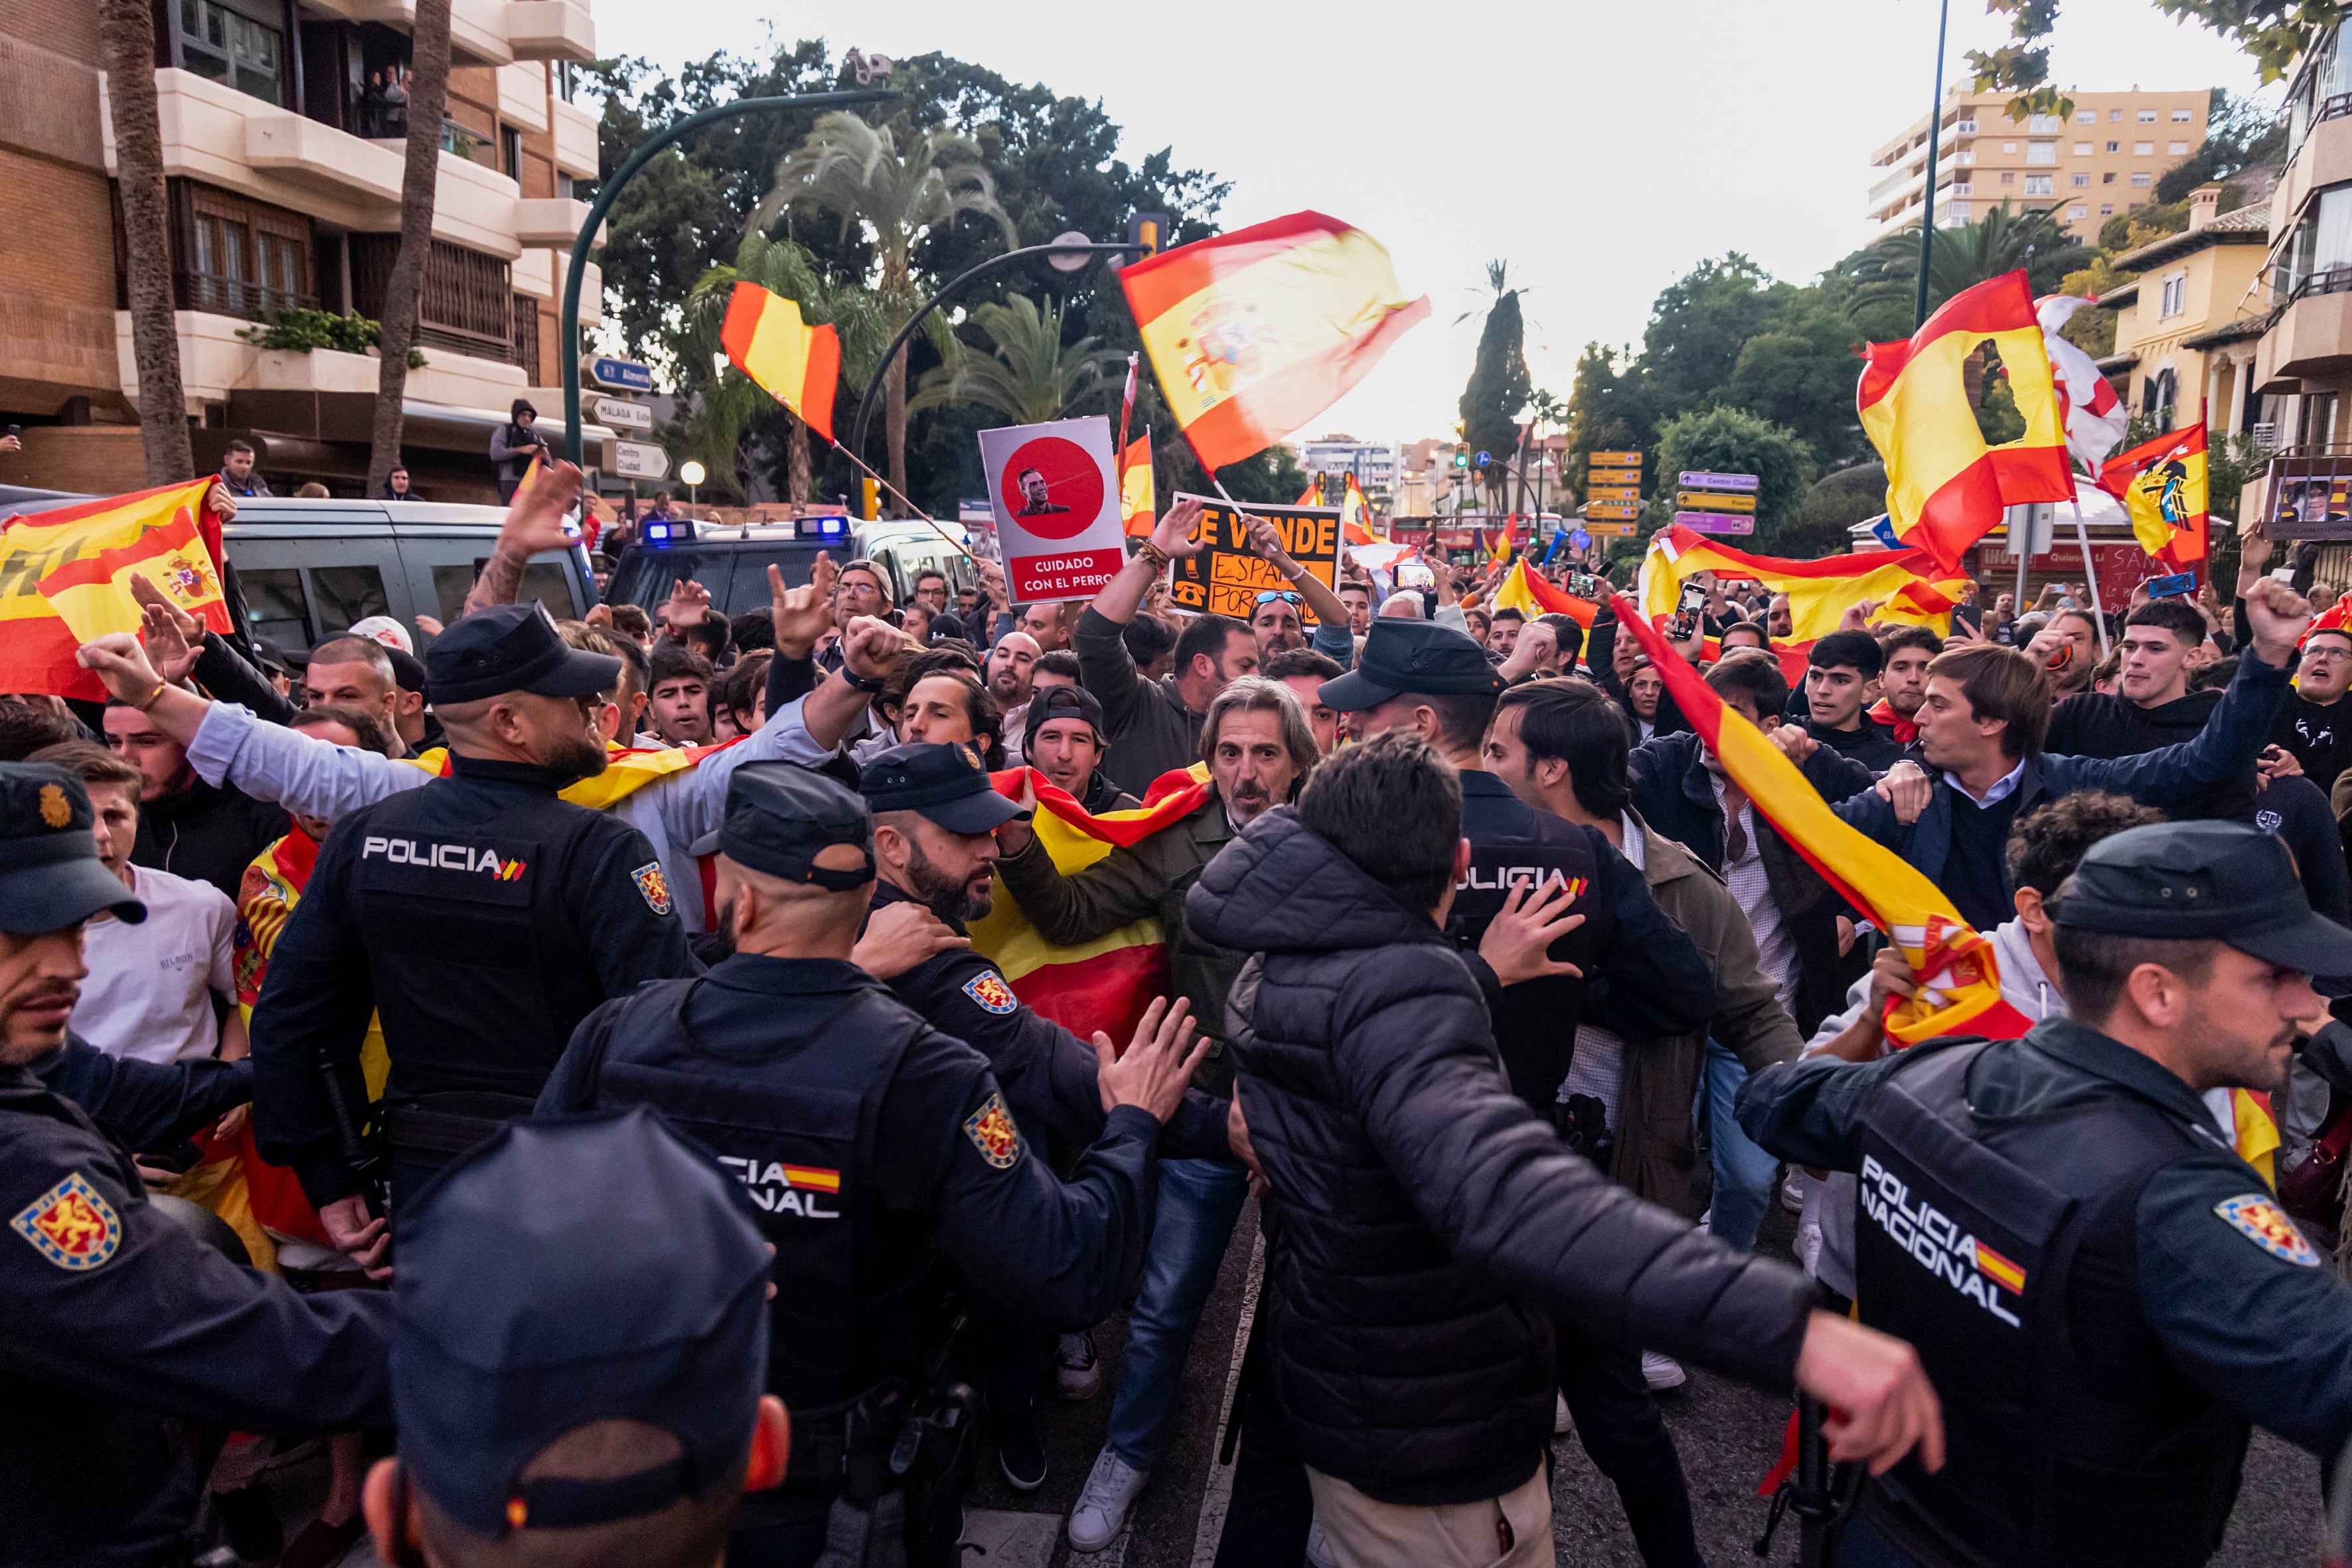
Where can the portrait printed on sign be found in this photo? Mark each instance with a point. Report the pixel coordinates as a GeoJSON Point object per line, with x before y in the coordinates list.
{"type": "Point", "coordinates": [1055, 506]}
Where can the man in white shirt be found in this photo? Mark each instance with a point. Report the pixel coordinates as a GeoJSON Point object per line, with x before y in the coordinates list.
{"type": "Point", "coordinates": [151, 993]}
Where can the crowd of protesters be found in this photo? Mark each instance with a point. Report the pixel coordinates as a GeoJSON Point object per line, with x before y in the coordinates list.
{"type": "Point", "coordinates": [1524, 1176]}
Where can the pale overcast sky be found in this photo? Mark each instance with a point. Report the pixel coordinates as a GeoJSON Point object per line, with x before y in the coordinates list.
{"type": "Point", "coordinates": [1602, 150]}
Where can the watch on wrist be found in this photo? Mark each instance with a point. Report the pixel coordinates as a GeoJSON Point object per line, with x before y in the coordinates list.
{"type": "Point", "coordinates": [864, 683]}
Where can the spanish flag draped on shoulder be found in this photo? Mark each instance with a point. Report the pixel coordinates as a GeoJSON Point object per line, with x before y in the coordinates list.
{"type": "Point", "coordinates": [1256, 332]}
{"type": "Point", "coordinates": [1946, 485]}
{"type": "Point", "coordinates": [797, 364]}
{"type": "Point", "coordinates": [627, 769]}
{"type": "Point", "coordinates": [65, 579]}
{"type": "Point", "coordinates": [1108, 982]}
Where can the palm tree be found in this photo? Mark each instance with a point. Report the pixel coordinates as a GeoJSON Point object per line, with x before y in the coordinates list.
{"type": "Point", "coordinates": [428, 97]}
{"type": "Point", "coordinates": [1029, 377]}
{"type": "Point", "coordinates": [1968, 254]}
{"type": "Point", "coordinates": [128, 29]}
{"type": "Point", "coordinates": [730, 405]}
{"type": "Point", "coordinates": [858, 172]}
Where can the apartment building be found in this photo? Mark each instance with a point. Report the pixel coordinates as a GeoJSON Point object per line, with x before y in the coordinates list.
{"type": "Point", "coordinates": [1377, 464]}
{"type": "Point", "coordinates": [2102, 160]}
{"type": "Point", "coordinates": [2186, 327]}
{"type": "Point", "coordinates": [284, 126]}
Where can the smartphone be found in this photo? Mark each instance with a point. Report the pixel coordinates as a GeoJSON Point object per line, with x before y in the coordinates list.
{"type": "Point", "coordinates": [2173, 587]}
{"type": "Point", "coordinates": [1689, 610]}
{"type": "Point", "coordinates": [2284, 574]}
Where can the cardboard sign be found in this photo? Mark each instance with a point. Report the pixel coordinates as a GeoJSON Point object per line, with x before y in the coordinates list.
{"type": "Point", "coordinates": [1226, 577]}
{"type": "Point", "coordinates": [1057, 507]}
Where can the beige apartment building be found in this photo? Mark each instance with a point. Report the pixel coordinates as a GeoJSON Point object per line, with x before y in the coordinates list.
{"type": "Point", "coordinates": [283, 126]}
{"type": "Point", "coordinates": [2102, 160]}
{"type": "Point", "coordinates": [2186, 334]}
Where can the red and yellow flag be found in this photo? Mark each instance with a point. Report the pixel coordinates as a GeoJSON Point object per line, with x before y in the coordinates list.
{"type": "Point", "coordinates": [2162, 485]}
{"type": "Point", "coordinates": [1946, 486]}
{"type": "Point", "coordinates": [1960, 979]}
{"type": "Point", "coordinates": [627, 769]}
{"type": "Point", "coordinates": [1108, 982]}
{"type": "Point", "coordinates": [797, 364]}
{"type": "Point", "coordinates": [1356, 516]}
{"type": "Point", "coordinates": [1256, 332]}
{"type": "Point", "coordinates": [1905, 583]}
{"type": "Point", "coordinates": [1313, 494]}
{"type": "Point", "coordinates": [1138, 500]}
{"type": "Point", "coordinates": [1532, 595]}
{"type": "Point", "coordinates": [65, 578]}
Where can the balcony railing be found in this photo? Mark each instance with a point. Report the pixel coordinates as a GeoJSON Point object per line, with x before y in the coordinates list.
{"type": "Point", "coordinates": [224, 296]}
{"type": "Point", "coordinates": [1962, 188]}
{"type": "Point", "coordinates": [1966, 127]}
{"type": "Point", "coordinates": [2334, 279]}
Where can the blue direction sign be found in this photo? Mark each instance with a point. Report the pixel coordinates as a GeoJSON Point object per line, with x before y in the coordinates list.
{"type": "Point", "coordinates": [1579, 540]}
{"type": "Point", "coordinates": [620, 375]}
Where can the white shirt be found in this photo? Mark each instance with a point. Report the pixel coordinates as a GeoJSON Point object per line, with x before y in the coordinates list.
{"type": "Point", "coordinates": [1016, 723]}
{"type": "Point", "coordinates": [1776, 945]}
{"type": "Point", "coordinates": [149, 995]}
{"type": "Point", "coordinates": [1598, 1066]}
{"type": "Point", "coordinates": [2002, 787]}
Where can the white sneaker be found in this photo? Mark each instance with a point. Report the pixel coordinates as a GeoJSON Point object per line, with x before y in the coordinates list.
{"type": "Point", "coordinates": [1662, 1372]}
{"type": "Point", "coordinates": [1792, 1189]}
{"type": "Point", "coordinates": [1560, 1424]}
{"type": "Point", "coordinates": [1318, 1551]}
{"type": "Point", "coordinates": [1110, 1491]}
{"type": "Point", "coordinates": [1078, 1373]}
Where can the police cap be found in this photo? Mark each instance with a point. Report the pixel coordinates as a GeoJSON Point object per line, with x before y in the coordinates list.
{"type": "Point", "coordinates": [2204, 881]}
{"type": "Point", "coordinates": [1047, 703]}
{"type": "Point", "coordinates": [566, 1272]}
{"type": "Point", "coordinates": [947, 784]}
{"type": "Point", "coordinates": [51, 876]}
{"type": "Point", "coordinates": [1419, 657]}
{"type": "Point", "coordinates": [512, 648]}
{"type": "Point", "coordinates": [781, 817]}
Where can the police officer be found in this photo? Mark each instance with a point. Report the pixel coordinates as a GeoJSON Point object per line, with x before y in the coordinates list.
{"type": "Point", "coordinates": [119, 1326]}
{"type": "Point", "coordinates": [481, 918]}
{"type": "Point", "coordinates": [882, 1156]}
{"type": "Point", "coordinates": [2104, 1292]}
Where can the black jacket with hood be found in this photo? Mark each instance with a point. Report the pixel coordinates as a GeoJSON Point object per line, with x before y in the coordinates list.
{"type": "Point", "coordinates": [1423, 1222]}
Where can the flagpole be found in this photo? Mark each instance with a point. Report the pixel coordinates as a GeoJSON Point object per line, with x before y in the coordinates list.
{"type": "Point", "coordinates": [1935, 135]}
{"type": "Point", "coordinates": [2090, 572]}
{"type": "Point", "coordinates": [960, 548]}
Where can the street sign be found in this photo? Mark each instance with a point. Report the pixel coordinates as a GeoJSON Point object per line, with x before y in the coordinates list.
{"type": "Point", "coordinates": [1716, 521]}
{"type": "Point", "coordinates": [1609, 529]}
{"type": "Point", "coordinates": [1701, 501]}
{"type": "Point", "coordinates": [1614, 492]}
{"type": "Point", "coordinates": [617, 374]}
{"type": "Point", "coordinates": [1618, 509]}
{"type": "Point", "coordinates": [1698, 479]}
{"type": "Point", "coordinates": [620, 413]}
{"type": "Point", "coordinates": [640, 460]}
{"type": "Point", "coordinates": [1580, 540]}
{"type": "Point", "coordinates": [1614, 459]}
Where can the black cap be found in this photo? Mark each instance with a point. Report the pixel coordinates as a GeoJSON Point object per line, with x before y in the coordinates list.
{"type": "Point", "coordinates": [1050, 702]}
{"type": "Point", "coordinates": [512, 648]}
{"type": "Point", "coordinates": [565, 1272]}
{"type": "Point", "coordinates": [1419, 657]}
{"type": "Point", "coordinates": [50, 875]}
{"type": "Point", "coordinates": [781, 817]}
{"type": "Point", "coordinates": [408, 670]}
{"type": "Point", "coordinates": [2204, 881]}
{"type": "Point", "coordinates": [947, 784]}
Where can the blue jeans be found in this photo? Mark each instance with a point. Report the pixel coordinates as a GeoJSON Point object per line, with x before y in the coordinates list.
{"type": "Point", "coordinates": [1743, 1171]}
{"type": "Point", "coordinates": [1198, 1202]}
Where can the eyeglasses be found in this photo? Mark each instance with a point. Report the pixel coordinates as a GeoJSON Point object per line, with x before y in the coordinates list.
{"type": "Point", "coordinates": [1284, 595]}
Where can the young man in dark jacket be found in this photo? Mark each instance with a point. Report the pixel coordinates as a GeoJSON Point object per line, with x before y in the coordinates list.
{"type": "Point", "coordinates": [1417, 1207]}
{"type": "Point", "coordinates": [1839, 674]}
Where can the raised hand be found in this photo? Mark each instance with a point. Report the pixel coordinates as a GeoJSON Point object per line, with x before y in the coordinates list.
{"type": "Point", "coordinates": [174, 638]}
{"type": "Point", "coordinates": [688, 603]}
{"type": "Point", "coordinates": [1518, 942]}
{"type": "Point", "coordinates": [900, 937]}
{"type": "Point", "coordinates": [1172, 534]}
{"type": "Point", "coordinates": [801, 614]}
{"type": "Point", "coordinates": [2276, 617]}
{"type": "Point", "coordinates": [1158, 1064]}
{"type": "Point", "coordinates": [871, 647]}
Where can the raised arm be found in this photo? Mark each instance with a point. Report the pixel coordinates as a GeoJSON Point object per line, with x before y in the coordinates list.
{"type": "Point", "coordinates": [534, 523]}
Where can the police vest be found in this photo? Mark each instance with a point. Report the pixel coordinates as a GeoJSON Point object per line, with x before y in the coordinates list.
{"type": "Point", "coordinates": [863, 1296]}
{"type": "Point", "coordinates": [481, 971]}
{"type": "Point", "coordinates": [2071, 1436]}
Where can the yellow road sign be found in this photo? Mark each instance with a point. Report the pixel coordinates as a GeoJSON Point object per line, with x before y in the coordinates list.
{"type": "Point", "coordinates": [1712, 500]}
{"type": "Point", "coordinates": [1614, 492]}
{"type": "Point", "coordinates": [1612, 510]}
{"type": "Point", "coordinates": [1610, 530]}
{"type": "Point", "coordinates": [1614, 459]}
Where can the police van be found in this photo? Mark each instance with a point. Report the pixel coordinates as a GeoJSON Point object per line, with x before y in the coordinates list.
{"type": "Point", "coordinates": [731, 560]}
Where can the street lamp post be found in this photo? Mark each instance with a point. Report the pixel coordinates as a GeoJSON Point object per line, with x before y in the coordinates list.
{"type": "Point", "coordinates": [693, 473]}
{"type": "Point", "coordinates": [568, 337]}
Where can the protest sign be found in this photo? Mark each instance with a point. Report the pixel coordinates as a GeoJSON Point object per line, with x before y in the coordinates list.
{"type": "Point", "coordinates": [1057, 507]}
{"type": "Point", "coordinates": [1226, 577]}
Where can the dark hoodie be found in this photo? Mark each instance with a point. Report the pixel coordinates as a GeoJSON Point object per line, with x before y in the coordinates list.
{"type": "Point", "coordinates": [2109, 724]}
{"type": "Point", "coordinates": [207, 833]}
{"type": "Point", "coordinates": [1421, 1221]}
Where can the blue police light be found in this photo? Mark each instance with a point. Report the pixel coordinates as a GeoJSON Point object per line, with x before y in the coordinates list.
{"type": "Point", "coordinates": [833, 526]}
{"type": "Point", "coordinates": [657, 533]}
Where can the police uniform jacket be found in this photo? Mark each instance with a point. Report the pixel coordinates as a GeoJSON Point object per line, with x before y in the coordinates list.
{"type": "Point", "coordinates": [2103, 1292]}
{"type": "Point", "coordinates": [480, 918]}
{"type": "Point", "coordinates": [143, 1106]}
{"type": "Point", "coordinates": [120, 1325]}
{"type": "Point", "coordinates": [1050, 1076]}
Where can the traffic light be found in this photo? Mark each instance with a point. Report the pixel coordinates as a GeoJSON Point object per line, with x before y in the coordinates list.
{"type": "Point", "coordinates": [1147, 232]}
{"type": "Point", "coordinates": [1461, 456]}
{"type": "Point", "coordinates": [871, 510]}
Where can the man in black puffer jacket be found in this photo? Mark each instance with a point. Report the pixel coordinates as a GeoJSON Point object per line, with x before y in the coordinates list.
{"type": "Point", "coordinates": [1424, 1223]}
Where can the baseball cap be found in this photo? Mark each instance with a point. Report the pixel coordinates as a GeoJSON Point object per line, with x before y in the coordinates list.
{"type": "Point", "coordinates": [1049, 702]}
{"type": "Point", "coordinates": [564, 1272]}
{"type": "Point", "coordinates": [1421, 656]}
{"type": "Point", "coordinates": [385, 630]}
{"type": "Point", "coordinates": [512, 648]}
{"type": "Point", "coordinates": [2204, 881]}
{"type": "Point", "coordinates": [52, 877]}
{"type": "Point", "coordinates": [945, 784]}
{"type": "Point", "coordinates": [780, 817]}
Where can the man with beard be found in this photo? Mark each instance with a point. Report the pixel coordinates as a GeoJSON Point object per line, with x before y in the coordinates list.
{"type": "Point", "coordinates": [1012, 664]}
{"type": "Point", "coordinates": [1064, 742]}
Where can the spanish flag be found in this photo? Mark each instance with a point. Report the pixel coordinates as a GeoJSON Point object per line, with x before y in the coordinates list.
{"type": "Point", "coordinates": [795, 363]}
{"type": "Point", "coordinates": [627, 769]}
{"type": "Point", "coordinates": [1532, 595]}
{"type": "Point", "coordinates": [1960, 978]}
{"type": "Point", "coordinates": [65, 579]}
{"type": "Point", "coordinates": [1904, 583]}
{"type": "Point", "coordinates": [1356, 516]}
{"type": "Point", "coordinates": [2162, 485]}
{"type": "Point", "coordinates": [1313, 494]}
{"type": "Point", "coordinates": [1108, 982]}
{"type": "Point", "coordinates": [1256, 332]}
{"type": "Point", "coordinates": [1946, 486]}
{"type": "Point", "coordinates": [1138, 501]}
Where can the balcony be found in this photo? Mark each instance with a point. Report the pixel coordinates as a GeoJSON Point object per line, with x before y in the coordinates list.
{"type": "Point", "coordinates": [550, 31]}
{"type": "Point", "coordinates": [223, 137]}
{"type": "Point", "coordinates": [555, 220]}
{"type": "Point", "coordinates": [576, 152]}
{"type": "Point", "coordinates": [2325, 159]}
{"type": "Point", "coordinates": [2304, 492]}
{"type": "Point", "coordinates": [478, 28]}
{"type": "Point", "coordinates": [2312, 335]}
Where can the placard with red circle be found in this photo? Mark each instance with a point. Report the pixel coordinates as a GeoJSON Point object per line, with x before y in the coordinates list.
{"type": "Point", "coordinates": [1053, 486]}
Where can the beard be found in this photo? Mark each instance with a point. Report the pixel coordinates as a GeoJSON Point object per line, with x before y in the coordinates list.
{"type": "Point", "coordinates": [576, 757]}
{"type": "Point", "coordinates": [1248, 799]}
{"type": "Point", "coordinates": [949, 898]}
{"type": "Point", "coordinates": [718, 943]}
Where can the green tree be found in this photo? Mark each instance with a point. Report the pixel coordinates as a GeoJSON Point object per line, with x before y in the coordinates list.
{"type": "Point", "coordinates": [1499, 384]}
{"type": "Point", "coordinates": [1968, 254]}
{"type": "Point", "coordinates": [2274, 31]}
{"type": "Point", "coordinates": [1028, 376]}
{"type": "Point", "coordinates": [1734, 441]}
{"type": "Point", "coordinates": [1843, 498]}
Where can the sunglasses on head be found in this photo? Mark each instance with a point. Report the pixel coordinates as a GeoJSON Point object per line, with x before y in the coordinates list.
{"type": "Point", "coordinates": [1284, 595]}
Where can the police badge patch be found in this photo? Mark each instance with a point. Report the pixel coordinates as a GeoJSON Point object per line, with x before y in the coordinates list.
{"type": "Point", "coordinates": [2258, 1218]}
{"type": "Point", "coordinates": [71, 1224]}
{"type": "Point", "coordinates": [991, 1132]}
{"type": "Point", "coordinates": [653, 886]}
{"type": "Point", "coordinates": [988, 989]}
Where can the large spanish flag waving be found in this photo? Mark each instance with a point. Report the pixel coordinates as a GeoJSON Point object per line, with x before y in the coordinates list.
{"type": "Point", "coordinates": [65, 579]}
{"type": "Point", "coordinates": [1946, 486]}
{"type": "Point", "coordinates": [1108, 982]}
{"type": "Point", "coordinates": [1905, 583]}
{"type": "Point", "coordinates": [2162, 485]}
{"type": "Point", "coordinates": [1256, 332]}
{"type": "Point", "coordinates": [797, 364]}
{"type": "Point", "coordinates": [1959, 987]}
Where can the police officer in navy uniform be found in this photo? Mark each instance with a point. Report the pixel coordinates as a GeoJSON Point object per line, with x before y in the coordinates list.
{"type": "Point", "coordinates": [481, 918]}
{"type": "Point", "coordinates": [120, 1325]}
{"type": "Point", "coordinates": [2104, 1292]}
{"type": "Point", "coordinates": [884, 1160]}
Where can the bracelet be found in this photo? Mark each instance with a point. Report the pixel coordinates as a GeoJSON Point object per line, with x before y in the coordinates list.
{"type": "Point", "coordinates": [864, 683]}
{"type": "Point", "coordinates": [1152, 552]}
{"type": "Point", "coordinates": [148, 702]}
